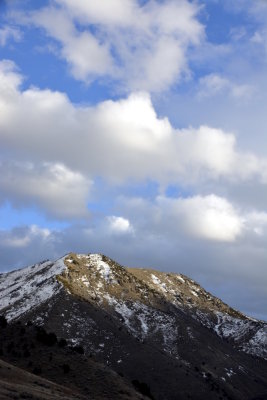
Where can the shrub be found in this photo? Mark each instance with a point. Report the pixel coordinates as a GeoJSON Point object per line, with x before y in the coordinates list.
{"type": "Point", "coordinates": [49, 339]}
{"type": "Point", "coordinates": [10, 347]}
{"type": "Point", "coordinates": [143, 388]}
{"type": "Point", "coordinates": [26, 395]}
{"type": "Point", "coordinates": [66, 368]}
{"type": "Point", "coordinates": [62, 343]}
{"type": "Point", "coordinates": [22, 331]}
{"type": "Point", "coordinates": [3, 321]}
{"type": "Point", "coordinates": [78, 349]}
{"type": "Point", "coordinates": [26, 353]}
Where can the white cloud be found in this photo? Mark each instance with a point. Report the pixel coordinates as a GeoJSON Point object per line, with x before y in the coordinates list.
{"type": "Point", "coordinates": [86, 56]}
{"type": "Point", "coordinates": [10, 80]}
{"type": "Point", "coordinates": [142, 47]}
{"type": "Point", "coordinates": [214, 84]}
{"type": "Point", "coordinates": [7, 32]}
{"type": "Point", "coordinates": [118, 140]}
{"type": "Point", "coordinates": [111, 12]}
{"type": "Point", "coordinates": [209, 218]}
{"type": "Point", "coordinates": [58, 191]}
{"type": "Point", "coordinates": [119, 225]}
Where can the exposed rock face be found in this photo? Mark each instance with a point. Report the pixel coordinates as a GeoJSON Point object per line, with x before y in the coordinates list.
{"type": "Point", "coordinates": [161, 329]}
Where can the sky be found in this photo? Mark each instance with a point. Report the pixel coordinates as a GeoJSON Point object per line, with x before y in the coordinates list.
{"type": "Point", "coordinates": [137, 129]}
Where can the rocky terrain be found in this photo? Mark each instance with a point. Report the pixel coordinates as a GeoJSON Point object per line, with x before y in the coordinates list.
{"type": "Point", "coordinates": [161, 334]}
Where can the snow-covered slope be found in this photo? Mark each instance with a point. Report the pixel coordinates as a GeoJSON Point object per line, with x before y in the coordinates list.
{"type": "Point", "coordinates": [27, 288]}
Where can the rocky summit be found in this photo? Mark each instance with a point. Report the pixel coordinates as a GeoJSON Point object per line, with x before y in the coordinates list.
{"type": "Point", "coordinates": [97, 330]}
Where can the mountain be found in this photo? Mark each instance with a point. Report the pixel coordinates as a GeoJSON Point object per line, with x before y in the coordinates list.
{"type": "Point", "coordinates": [38, 365]}
{"type": "Point", "coordinates": [160, 334]}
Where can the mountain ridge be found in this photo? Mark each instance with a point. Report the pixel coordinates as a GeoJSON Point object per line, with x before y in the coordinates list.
{"type": "Point", "coordinates": [136, 316]}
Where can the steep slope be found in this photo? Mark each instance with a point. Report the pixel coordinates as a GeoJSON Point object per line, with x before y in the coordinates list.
{"type": "Point", "coordinates": [160, 329]}
{"type": "Point", "coordinates": [24, 289]}
{"type": "Point", "coordinates": [43, 355]}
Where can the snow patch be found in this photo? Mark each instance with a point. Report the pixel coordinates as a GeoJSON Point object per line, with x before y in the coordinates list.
{"type": "Point", "coordinates": [157, 281]}
{"type": "Point", "coordinates": [229, 372]}
{"type": "Point", "coordinates": [228, 326]}
{"type": "Point", "coordinates": [85, 281]}
{"type": "Point", "coordinates": [257, 345]}
{"type": "Point", "coordinates": [102, 267]}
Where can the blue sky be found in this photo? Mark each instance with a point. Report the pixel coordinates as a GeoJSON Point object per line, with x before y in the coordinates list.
{"type": "Point", "coordinates": [137, 129]}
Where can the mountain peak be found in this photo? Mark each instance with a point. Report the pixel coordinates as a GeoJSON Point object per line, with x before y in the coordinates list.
{"type": "Point", "coordinates": [134, 294]}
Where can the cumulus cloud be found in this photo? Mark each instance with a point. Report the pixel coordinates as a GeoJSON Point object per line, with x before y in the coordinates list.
{"type": "Point", "coordinates": [118, 140]}
{"type": "Point", "coordinates": [57, 190]}
{"type": "Point", "coordinates": [209, 217]}
{"type": "Point", "coordinates": [143, 47]}
{"type": "Point", "coordinates": [119, 225]}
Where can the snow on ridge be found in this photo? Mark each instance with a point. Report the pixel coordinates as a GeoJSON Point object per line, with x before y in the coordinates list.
{"type": "Point", "coordinates": [102, 267]}
{"type": "Point", "coordinates": [27, 288]}
{"type": "Point", "coordinates": [157, 281]}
